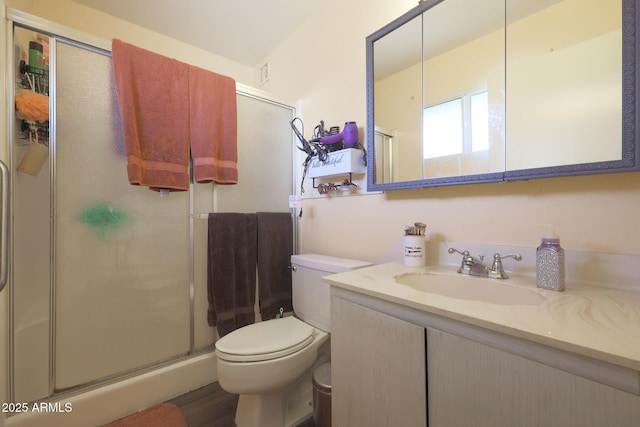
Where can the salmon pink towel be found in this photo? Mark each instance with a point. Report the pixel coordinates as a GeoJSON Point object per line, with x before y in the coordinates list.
{"type": "Point", "coordinates": [153, 95]}
{"type": "Point", "coordinates": [213, 126]}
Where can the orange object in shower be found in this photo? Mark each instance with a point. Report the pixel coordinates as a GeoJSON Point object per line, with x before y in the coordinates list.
{"type": "Point", "coordinates": [32, 106]}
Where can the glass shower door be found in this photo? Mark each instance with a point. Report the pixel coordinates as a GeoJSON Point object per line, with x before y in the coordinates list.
{"type": "Point", "coordinates": [108, 279]}
{"type": "Point", "coordinates": [122, 255]}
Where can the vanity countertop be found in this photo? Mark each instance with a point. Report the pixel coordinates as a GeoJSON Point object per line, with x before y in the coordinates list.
{"type": "Point", "coordinates": [596, 322]}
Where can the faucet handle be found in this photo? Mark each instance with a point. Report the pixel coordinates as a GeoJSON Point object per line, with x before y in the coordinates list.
{"type": "Point", "coordinates": [497, 271]}
{"type": "Point", "coordinates": [517, 257]}
{"type": "Point", "coordinates": [467, 260]}
{"type": "Point", "coordinates": [454, 250]}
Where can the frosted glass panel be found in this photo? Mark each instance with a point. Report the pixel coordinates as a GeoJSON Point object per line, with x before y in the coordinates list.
{"type": "Point", "coordinates": [264, 160]}
{"type": "Point", "coordinates": [265, 153]}
{"type": "Point", "coordinates": [122, 252]}
{"type": "Point", "coordinates": [30, 269]}
{"type": "Point", "coordinates": [204, 335]}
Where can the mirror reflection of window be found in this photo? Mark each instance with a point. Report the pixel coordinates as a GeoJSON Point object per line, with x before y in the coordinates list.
{"type": "Point", "coordinates": [458, 126]}
{"type": "Point", "coordinates": [442, 127]}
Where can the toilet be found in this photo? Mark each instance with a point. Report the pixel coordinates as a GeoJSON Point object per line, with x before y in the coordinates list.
{"type": "Point", "coordinates": [270, 364]}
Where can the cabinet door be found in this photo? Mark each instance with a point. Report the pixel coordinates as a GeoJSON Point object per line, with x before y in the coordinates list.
{"type": "Point", "coordinates": [377, 368]}
{"type": "Point", "coordinates": [471, 384]}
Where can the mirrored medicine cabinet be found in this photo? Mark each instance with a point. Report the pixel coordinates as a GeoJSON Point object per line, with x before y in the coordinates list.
{"type": "Point", "coordinates": [463, 91]}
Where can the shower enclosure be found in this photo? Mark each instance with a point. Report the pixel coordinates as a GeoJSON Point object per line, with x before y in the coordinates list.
{"type": "Point", "coordinates": [108, 279]}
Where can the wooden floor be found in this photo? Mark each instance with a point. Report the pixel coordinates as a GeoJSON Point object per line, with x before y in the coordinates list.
{"type": "Point", "coordinates": [210, 406]}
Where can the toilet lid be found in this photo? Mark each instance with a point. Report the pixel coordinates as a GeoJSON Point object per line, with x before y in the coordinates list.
{"type": "Point", "coordinates": [266, 340]}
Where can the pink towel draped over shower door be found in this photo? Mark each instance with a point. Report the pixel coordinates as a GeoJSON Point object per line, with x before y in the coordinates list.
{"type": "Point", "coordinates": [167, 105]}
{"type": "Point", "coordinates": [153, 96]}
{"type": "Point", "coordinates": [213, 126]}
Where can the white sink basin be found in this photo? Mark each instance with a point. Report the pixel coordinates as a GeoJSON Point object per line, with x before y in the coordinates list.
{"type": "Point", "coordinates": [465, 287]}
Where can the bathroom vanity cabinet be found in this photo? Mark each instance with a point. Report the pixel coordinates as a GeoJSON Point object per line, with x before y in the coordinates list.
{"type": "Point", "coordinates": [378, 372]}
{"type": "Point", "coordinates": [395, 364]}
{"type": "Point", "coordinates": [472, 384]}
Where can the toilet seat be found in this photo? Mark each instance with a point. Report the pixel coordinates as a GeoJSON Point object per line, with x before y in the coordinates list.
{"type": "Point", "coordinates": [266, 340]}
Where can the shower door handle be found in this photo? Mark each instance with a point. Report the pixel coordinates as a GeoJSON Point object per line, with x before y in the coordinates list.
{"type": "Point", "coordinates": [4, 225]}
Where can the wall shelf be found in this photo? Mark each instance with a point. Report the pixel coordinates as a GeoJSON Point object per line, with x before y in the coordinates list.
{"type": "Point", "coordinates": [347, 161]}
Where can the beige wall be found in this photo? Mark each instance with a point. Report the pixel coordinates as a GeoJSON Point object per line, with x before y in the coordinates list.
{"type": "Point", "coordinates": [593, 213]}
{"type": "Point", "coordinates": [95, 23]}
{"type": "Point", "coordinates": [322, 64]}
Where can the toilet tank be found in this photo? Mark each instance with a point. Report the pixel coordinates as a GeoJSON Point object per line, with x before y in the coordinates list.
{"type": "Point", "coordinates": [312, 296]}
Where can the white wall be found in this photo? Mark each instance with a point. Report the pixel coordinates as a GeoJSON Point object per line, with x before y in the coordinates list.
{"type": "Point", "coordinates": [323, 64]}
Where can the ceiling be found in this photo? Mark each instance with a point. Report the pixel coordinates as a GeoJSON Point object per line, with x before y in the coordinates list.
{"type": "Point", "coordinates": [244, 31]}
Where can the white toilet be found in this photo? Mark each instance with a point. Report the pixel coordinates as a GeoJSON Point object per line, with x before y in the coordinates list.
{"type": "Point", "coordinates": [270, 364]}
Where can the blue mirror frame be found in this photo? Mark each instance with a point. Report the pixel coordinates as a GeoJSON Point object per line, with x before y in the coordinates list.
{"type": "Point", "coordinates": [630, 161]}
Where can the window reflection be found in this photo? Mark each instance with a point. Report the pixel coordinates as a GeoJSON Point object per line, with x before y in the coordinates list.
{"type": "Point", "coordinates": [458, 126]}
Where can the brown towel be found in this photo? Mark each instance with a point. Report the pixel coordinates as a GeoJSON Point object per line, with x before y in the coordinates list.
{"type": "Point", "coordinates": [213, 124]}
{"type": "Point", "coordinates": [153, 95]}
{"type": "Point", "coordinates": [231, 270]}
{"type": "Point", "coordinates": [275, 247]}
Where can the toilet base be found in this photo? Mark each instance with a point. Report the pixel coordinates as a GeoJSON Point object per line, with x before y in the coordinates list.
{"type": "Point", "coordinates": [287, 408]}
{"type": "Point", "coordinates": [270, 410]}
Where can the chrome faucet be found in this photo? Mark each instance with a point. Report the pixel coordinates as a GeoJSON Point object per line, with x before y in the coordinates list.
{"type": "Point", "coordinates": [475, 266]}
